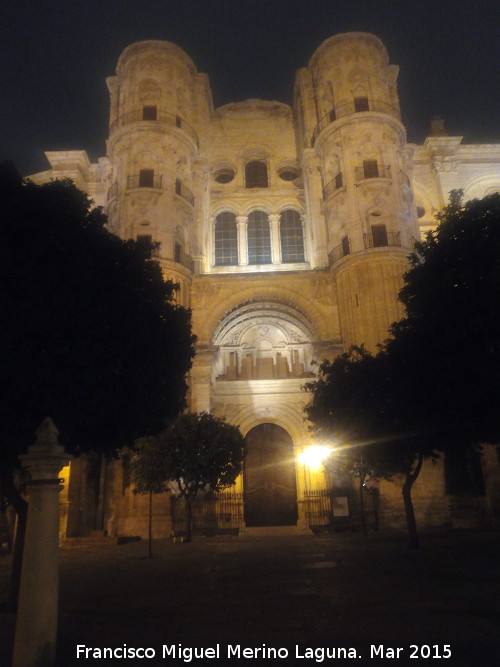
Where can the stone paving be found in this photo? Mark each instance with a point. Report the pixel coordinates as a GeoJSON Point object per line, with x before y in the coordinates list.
{"type": "Point", "coordinates": [341, 591]}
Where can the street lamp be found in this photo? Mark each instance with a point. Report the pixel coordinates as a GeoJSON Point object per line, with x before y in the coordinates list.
{"type": "Point", "coordinates": [314, 456]}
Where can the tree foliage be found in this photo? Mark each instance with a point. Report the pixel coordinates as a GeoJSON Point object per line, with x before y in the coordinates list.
{"type": "Point", "coordinates": [360, 408]}
{"type": "Point", "coordinates": [448, 344]}
{"type": "Point", "coordinates": [202, 452]}
{"type": "Point", "coordinates": [89, 330]}
{"type": "Point", "coordinates": [436, 383]}
{"type": "Point", "coordinates": [196, 451]}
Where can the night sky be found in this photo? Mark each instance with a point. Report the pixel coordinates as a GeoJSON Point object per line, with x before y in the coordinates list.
{"type": "Point", "coordinates": [56, 54]}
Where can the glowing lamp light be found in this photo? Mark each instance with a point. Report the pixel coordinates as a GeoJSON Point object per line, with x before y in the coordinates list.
{"type": "Point", "coordinates": [314, 456]}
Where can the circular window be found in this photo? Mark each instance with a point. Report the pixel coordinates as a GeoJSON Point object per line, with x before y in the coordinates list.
{"type": "Point", "coordinates": [288, 172]}
{"type": "Point", "coordinates": [224, 174]}
{"type": "Point", "coordinates": [288, 175]}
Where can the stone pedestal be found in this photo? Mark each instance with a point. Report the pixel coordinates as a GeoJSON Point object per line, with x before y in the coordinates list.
{"type": "Point", "coordinates": [36, 626]}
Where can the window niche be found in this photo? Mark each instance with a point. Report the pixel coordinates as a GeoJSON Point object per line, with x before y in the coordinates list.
{"type": "Point", "coordinates": [291, 237]}
{"type": "Point", "coordinates": [361, 103]}
{"type": "Point", "coordinates": [256, 174]}
{"type": "Point", "coordinates": [226, 239]}
{"type": "Point", "coordinates": [370, 169]}
{"type": "Point", "coordinates": [259, 238]}
{"type": "Point", "coordinates": [149, 112]}
{"type": "Point", "coordinates": [379, 236]}
{"type": "Point", "coordinates": [146, 178]}
{"type": "Point", "coordinates": [346, 246]}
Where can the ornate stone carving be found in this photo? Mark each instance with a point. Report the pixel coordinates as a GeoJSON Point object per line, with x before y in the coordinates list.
{"type": "Point", "coordinates": [205, 292]}
{"type": "Point", "coordinates": [324, 291]}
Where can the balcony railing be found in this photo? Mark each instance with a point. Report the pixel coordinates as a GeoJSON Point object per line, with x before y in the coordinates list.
{"type": "Point", "coordinates": [183, 258]}
{"type": "Point", "coordinates": [340, 250]}
{"type": "Point", "coordinates": [382, 240]}
{"type": "Point", "coordinates": [184, 192]}
{"type": "Point", "coordinates": [168, 119]}
{"type": "Point", "coordinates": [349, 108]}
{"type": "Point", "coordinates": [137, 181]}
{"type": "Point", "coordinates": [373, 171]}
{"type": "Point", "coordinates": [337, 183]}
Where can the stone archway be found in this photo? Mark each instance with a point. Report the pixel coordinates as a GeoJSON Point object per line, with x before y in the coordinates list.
{"type": "Point", "coordinates": [270, 489]}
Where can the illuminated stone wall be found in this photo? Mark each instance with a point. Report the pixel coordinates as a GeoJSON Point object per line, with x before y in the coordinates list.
{"type": "Point", "coordinates": [338, 165]}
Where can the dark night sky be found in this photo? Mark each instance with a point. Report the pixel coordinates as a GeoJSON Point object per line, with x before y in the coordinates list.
{"type": "Point", "coordinates": [55, 55]}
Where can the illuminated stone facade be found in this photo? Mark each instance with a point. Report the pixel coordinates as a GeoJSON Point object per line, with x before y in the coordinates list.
{"type": "Point", "coordinates": [287, 228]}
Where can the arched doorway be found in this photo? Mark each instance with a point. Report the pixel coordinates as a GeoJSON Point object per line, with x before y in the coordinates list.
{"type": "Point", "coordinates": [269, 477]}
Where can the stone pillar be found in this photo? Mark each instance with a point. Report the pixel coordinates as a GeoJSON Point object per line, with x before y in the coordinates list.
{"type": "Point", "coordinates": [36, 625]}
{"type": "Point", "coordinates": [241, 221]}
{"type": "Point", "coordinates": [274, 220]}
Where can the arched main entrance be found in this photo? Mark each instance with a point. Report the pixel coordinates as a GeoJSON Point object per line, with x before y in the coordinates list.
{"type": "Point", "coordinates": [270, 488]}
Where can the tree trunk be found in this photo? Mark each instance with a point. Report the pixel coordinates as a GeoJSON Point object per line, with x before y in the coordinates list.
{"type": "Point", "coordinates": [189, 518]}
{"type": "Point", "coordinates": [150, 526]}
{"type": "Point", "coordinates": [411, 523]}
{"type": "Point", "coordinates": [362, 504]}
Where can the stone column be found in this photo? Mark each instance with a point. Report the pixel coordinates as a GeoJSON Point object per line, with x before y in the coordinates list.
{"type": "Point", "coordinates": [274, 220]}
{"type": "Point", "coordinates": [241, 221]}
{"type": "Point", "coordinates": [36, 625]}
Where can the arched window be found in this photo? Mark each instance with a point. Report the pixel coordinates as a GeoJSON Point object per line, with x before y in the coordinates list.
{"type": "Point", "coordinates": [256, 174]}
{"type": "Point", "coordinates": [291, 236]}
{"type": "Point", "coordinates": [259, 238]}
{"type": "Point", "coordinates": [226, 239]}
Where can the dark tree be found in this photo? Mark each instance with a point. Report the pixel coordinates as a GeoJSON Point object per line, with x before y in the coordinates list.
{"type": "Point", "coordinates": [200, 451]}
{"type": "Point", "coordinates": [339, 412]}
{"type": "Point", "coordinates": [449, 342]}
{"type": "Point", "coordinates": [360, 407]}
{"type": "Point", "coordinates": [435, 385]}
{"type": "Point", "coordinates": [89, 332]}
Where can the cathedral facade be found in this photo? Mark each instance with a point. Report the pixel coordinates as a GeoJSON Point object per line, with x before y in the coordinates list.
{"type": "Point", "coordinates": [287, 229]}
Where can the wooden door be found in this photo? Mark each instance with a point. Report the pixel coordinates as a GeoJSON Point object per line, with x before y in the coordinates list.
{"type": "Point", "coordinates": [269, 478]}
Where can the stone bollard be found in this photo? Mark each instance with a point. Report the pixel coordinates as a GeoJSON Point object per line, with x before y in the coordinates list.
{"type": "Point", "coordinates": [36, 624]}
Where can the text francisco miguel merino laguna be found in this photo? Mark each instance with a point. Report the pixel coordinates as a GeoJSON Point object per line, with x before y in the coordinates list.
{"type": "Point", "coordinates": [237, 651]}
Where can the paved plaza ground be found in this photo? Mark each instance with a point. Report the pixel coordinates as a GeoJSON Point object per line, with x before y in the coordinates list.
{"type": "Point", "coordinates": [341, 591]}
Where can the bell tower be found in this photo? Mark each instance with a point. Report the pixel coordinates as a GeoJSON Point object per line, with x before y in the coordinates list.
{"type": "Point", "coordinates": [352, 134]}
{"type": "Point", "coordinates": [158, 102]}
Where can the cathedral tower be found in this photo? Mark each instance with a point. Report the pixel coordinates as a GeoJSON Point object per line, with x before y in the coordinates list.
{"type": "Point", "coordinates": [158, 105]}
{"type": "Point", "coordinates": [355, 146]}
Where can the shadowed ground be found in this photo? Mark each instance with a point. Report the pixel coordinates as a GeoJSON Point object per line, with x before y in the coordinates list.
{"type": "Point", "coordinates": [338, 591]}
